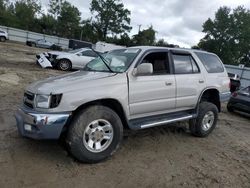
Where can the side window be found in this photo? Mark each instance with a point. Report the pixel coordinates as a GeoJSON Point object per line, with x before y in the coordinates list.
{"type": "Point", "coordinates": [89, 53]}
{"type": "Point", "coordinates": [211, 62]}
{"type": "Point", "coordinates": [160, 62]}
{"type": "Point", "coordinates": [184, 64]}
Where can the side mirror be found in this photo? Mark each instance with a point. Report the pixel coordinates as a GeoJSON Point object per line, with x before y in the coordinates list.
{"type": "Point", "coordinates": [143, 69]}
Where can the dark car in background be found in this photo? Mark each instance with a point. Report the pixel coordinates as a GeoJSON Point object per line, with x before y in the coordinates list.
{"type": "Point", "coordinates": [240, 101]}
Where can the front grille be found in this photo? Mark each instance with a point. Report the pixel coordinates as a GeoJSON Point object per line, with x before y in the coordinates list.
{"type": "Point", "coordinates": [28, 99]}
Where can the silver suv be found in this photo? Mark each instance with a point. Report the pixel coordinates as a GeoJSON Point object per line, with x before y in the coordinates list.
{"type": "Point", "coordinates": [132, 88]}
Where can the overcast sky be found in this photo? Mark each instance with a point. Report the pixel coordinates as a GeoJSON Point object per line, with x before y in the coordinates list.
{"type": "Point", "coordinates": [177, 21]}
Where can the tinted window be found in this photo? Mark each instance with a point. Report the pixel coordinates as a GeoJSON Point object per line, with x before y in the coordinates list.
{"type": "Point", "coordinates": [89, 53]}
{"type": "Point", "coordinates": [159, 60]}
{"type": "Point", "coordinates": [184, 64]}
{"type": "Point", "coordinates": [211, 62]}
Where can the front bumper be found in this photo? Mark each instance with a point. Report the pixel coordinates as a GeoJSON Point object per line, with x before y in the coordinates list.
{"type": "Point", "coordinates": [40, 125]}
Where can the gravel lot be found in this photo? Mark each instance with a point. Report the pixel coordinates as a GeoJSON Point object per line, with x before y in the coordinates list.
{"type": "Point", "coordinates": [157, 157]}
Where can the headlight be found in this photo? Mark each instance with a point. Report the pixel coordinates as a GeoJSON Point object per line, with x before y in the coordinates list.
{"type": "Point", "coordinates": [48, 101]}
{"type": "Point", "coordinates": [43, 101]}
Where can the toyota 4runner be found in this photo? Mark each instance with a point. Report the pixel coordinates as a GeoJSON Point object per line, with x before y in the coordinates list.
{"type": "Point", "coordinates": [132, 88]}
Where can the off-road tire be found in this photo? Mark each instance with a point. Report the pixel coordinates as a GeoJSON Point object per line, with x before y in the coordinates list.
{"type": "Point", "coordinates": [64, 61]}
{"type": "Point", "coordinates": [76, 131]}
{"type": "Point", "coordinates": [196, 125]}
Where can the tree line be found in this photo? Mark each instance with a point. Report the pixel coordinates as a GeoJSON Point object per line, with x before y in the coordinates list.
{"type": "Point", "coordinates": [110, 21]}
{"type": "Point", "coordinates": [227, 35]}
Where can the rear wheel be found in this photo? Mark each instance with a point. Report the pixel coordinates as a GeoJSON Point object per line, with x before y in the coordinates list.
{"type": "Point", "coordinates": [206, 120]}
{"type": "Point", "coordinates": [95, 134]}
{"type": "Point", "coordinates": [64, 64]}
{"type": "Point", "coordinates": [2, 39]}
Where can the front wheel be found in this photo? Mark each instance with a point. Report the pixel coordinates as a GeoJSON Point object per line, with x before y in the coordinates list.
{"type": "Point", "coordinates": [206, 120]}
{"type": "Point", "coordinates": [64, 64]}
{"type": "Point", "coordinates": [95, 134]}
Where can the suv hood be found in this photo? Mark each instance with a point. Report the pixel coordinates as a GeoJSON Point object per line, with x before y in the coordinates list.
{"type": "Point", "coordinates": [67, 82]}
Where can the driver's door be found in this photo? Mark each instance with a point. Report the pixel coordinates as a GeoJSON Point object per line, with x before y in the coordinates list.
{"type": "Point", "coordinates": [153, 94]}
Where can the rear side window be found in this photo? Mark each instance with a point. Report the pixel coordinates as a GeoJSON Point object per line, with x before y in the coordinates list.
{"type": "Point", "coordinates": [211, 62]}
{"type": "Point", "coordinates": [89, 53]}
{"type": "Point", "coordinates": [184, 64]}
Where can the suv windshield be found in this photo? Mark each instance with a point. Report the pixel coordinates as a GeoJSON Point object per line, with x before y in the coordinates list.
{"type": "Point", "coordinates": [117, 60]}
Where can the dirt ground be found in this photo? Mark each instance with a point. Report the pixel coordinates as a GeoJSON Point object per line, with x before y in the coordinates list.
{"type": "Point", "coordinates": [156, 157]}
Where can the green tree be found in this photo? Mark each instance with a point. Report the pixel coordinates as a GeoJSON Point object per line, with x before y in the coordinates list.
{"type": "Point", "coordinates": [109, 17]}
{"type": "Point", "coordinates": [26, 11]}
{"type": "Point", "coordinates": [7, 13]}
{"type": "Point", "coordinates": [55, 7]}
{"type": "Point", "coordinates": [47, 24]}
{"type": "Point", "coordinates": [228, 34]}
{"type": "Point", "coordinates": [69, 20]}
{"type": "Point", "coordinates": [87, 33]}
{"type": "Point", "coordinates": [161, 42]}
{"type": "Point", "coordinates": [145, 37]}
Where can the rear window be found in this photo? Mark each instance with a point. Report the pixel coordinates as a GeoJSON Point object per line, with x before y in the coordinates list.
{"type": "Point", "coordinates": [211, 62]}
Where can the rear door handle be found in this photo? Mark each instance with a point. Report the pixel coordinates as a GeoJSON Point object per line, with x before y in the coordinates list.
{"type": "Point", "coordinates": [201, 81]}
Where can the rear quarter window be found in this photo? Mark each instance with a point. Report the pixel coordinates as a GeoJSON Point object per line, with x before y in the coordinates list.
{"type": "Point", "coordinates": [211, 62]}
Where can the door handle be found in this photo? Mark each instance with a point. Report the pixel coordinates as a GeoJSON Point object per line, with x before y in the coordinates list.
{"type": "Point", "coordinates": [168, 83]}
{"type": "Point", "coordinates": [201, 81]}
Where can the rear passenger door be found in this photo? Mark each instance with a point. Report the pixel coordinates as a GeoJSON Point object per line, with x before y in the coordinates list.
{"type": "Point", "coordinates": [152, 94]}
{"type": "Point", "coordinates": [189, 80]}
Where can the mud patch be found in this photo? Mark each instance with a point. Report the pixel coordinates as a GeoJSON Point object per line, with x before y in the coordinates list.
{"type": "Point", "coordinates": [9, 78]}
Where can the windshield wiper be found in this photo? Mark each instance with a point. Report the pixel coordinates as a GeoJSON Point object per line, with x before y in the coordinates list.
{"type": "Point", "coordinates": [103, 60]}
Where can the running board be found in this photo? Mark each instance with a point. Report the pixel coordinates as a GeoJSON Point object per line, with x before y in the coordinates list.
{"type": "Point", "coordinates": [143, 123]}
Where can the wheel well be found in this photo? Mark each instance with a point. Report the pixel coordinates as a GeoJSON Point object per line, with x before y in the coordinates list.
{"type": "Point", "coordinates": [111, 103]}
{"type": "Point", "coordinates": [211, 95]}
{"type": "Point", "coordinates": [64, 59]}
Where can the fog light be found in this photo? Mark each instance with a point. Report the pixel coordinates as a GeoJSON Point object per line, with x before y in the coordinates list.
{"type": "Point", "coordinates": [27, 127]}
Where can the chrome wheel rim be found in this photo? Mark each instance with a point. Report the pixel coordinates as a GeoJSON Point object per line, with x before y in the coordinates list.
{"type": "Point", "coordinates": [208, 121]}
{"type": "Point", "coordinates": [64, 65]}
{"type": "Point", "coordinates": [98, 135]}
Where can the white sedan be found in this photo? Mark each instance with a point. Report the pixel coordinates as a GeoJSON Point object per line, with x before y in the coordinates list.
{"type": "Point", "coordinates": [75, 59]}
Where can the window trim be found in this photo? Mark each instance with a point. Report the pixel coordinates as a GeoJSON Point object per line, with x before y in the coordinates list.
{"type": "Point", "coordinates": [184, 53]}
